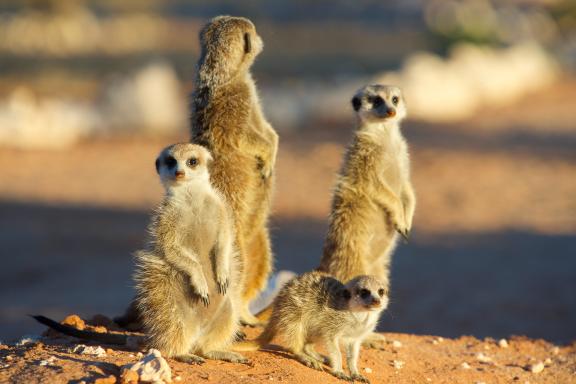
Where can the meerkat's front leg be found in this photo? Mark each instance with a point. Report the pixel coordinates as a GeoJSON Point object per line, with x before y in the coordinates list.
{"type": "Point", "coordinates": [393, 205]}
{"type": "Point", "coordinates": [221, 259]}
{"type": "Point", "coordinates": [185, 261]}
{"type": "Point", "coordinates": [409, 203]}
{"type": "Point", "coordinates": [352, 353]}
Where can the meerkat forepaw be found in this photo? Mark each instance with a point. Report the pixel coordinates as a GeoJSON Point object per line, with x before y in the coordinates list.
{"type": "Point", "coordinates": [190, 359]}
{"type": "Point", "coordinates": [222, 286]}
{"type": "Point", "coordinates": [340, 375]}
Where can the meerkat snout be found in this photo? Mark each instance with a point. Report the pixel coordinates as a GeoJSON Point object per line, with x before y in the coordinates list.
{"type": "Point", "coordinates": [181, 163]}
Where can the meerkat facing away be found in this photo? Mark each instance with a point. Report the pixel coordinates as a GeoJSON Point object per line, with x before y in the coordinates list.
{"type": "Point", "coordinates": [227, 118]}
{"type": "Point", "coordinates": [187, 281]}
{"type": "Point", "coordinates": [317, 308]}
{"type": "Point", "coordinates": [373, 200]}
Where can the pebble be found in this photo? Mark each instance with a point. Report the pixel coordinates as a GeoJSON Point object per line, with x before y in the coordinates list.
{"type": "Point", "coordinates": [82, 349]}
{"type": "Point", "coordinates": [106, 380]}
{"type": "Point", "coordinates": [503, 343]}
{"type": "Point", "coordinates": [537, 368]}
{"type": "Point", "coordinates": [27, 340]}
{"type": "Point", "coordinates": [396, 344]}
{"type": "Point", "coordinates": [152, 368]}
{"type": "Point", "coordinates": [548, 362]}
{"type": "Point", "coordinates": [398, 364]}
{"type": "Point", "coordinates": [483, 358]}
{"type": "Point", "coordinates": [178, 378]}
{"type": "Point", "coordinates": [479, 382]}
{"type": "Point", "coordinates": [465, 365]}
{"type": "Point", "coordinates": [368, 370]}
{"type": "Point", "coordinates": [48, 361]}
{"type": "Point", "coordinates": [555, 350]}
{"type": "Point", "coordinates": [9, 358]}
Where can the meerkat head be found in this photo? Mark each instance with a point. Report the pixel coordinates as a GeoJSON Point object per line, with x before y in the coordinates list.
{"type": "Point", "coordinates": [379, 103]}
{"type": "Point", "coordinates": [229, 46]}
{"type": "Point", "coordinates": [366, 293]}
{"type": "Point", "coordinates": [183, 163]}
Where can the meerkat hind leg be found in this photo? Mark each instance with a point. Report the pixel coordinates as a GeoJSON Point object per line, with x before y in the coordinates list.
{"type": "Point", "coordinates": [374, 341]}
{"type": "Point", "coordinates": [311, 352]}
{"type": "Point", "coordinates": [229, 356]}
{"type": "Point", "coordinates": [190, 358]}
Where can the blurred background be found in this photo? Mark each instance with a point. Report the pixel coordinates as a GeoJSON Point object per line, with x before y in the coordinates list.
{"type": "Point", "coordinates": [90, 91]}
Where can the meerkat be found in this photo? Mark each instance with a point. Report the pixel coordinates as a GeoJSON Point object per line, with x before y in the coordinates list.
{"type": "Point", "coordinates": [373, 200]}
{"type": "Point", "coordinates": [317, 308]}
{"type": "Point", "coordinates": [227, 118]}
{"type": "Point", "coordinates": [187, 280]}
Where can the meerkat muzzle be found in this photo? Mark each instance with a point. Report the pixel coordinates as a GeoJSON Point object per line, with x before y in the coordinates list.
{"type": "Point", "coordinates": [179, 174]}
{"type": "Point", "coordinates": [391, 113]}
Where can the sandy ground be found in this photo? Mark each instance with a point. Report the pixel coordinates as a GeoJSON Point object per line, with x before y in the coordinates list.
{"type": "Point", "coordinates": [492, 253]}
{"type": "Point", "coordinates": [403, 359]}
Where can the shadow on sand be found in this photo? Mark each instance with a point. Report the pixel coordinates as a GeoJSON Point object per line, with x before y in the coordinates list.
{"type": "Point", "coordinates": [60, 260]}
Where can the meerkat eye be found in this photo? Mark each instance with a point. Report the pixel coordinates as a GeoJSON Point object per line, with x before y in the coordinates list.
{"type": "Point", "coordinates": [377, 101]}
{"type": "Point", "coordinates": [395, 100]}
{"type": "Point", "coordinates": [192, 162]}
{"type": "Point", "coordinates": [170, 162]}
{"type": "Point", "coordinates": [364, 293]}
{"type": "Point", "coordinates": [381, 291]}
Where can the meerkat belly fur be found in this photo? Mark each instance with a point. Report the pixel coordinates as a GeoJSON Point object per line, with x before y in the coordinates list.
{"type": "Point", "coordinates": [373, 200]}
{"type": "Point", "coordinates": [227, 118]}
{"type": "Point", "coordinates": [317, 308]}
{"type": "Point", "coordinates": [187, 281]}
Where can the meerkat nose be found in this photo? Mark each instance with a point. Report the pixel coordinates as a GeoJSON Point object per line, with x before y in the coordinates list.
{"type": "Point", "coordinates": [391, 112]}
{"type": "Point", "coordinates": [179, 174]}
{"type": "Point", "coordinates": [375, 301]}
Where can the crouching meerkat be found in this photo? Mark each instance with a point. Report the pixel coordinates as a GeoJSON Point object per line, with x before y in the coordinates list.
{"type": "Point", "coordinates": [188, 279]}
{"type": "Point", "coordinates": [317, 308]}
{"type": "Point", "coordinates": [227, 118]}
{"type": "Point", "coordinates": [373, 199]}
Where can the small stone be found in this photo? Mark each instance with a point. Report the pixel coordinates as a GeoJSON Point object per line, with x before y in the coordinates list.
{"type": "Point", "coordinates": [27, 340]}
{"type": "Point", "coordinates": [106, 380]}
{"type": "Point", "coordinates": [555, 350]}
{"type": "Point", "coordinates": [396, 344]}
{"type": "Point", "coordinates": [139, 355]}
{"type": "Point", "coordinates": [48, 361]}
{"type": "Point", "coordinates": [428, 379]}
{"type": "Point", "coordinates": [368, 370]}
{"type": "Point", "coordinates": [503, 343]}
{"type": "Point", "coordinates": [435, 342]}
{"type": "Point", "coordinates": [74, 321]}
{"type": "Point", "coordinates": [152, 368]}
{"type": "Point", "coordinates": [548, 362]}
{"type": "Point", "coordinates": [479, 382]}
{"type": "Point", "coordinates": [398, 364]}
{"type": "Point", "coordinates": [270, 378]}
{"type": "Point", "coordinates": [440, 339]}
{"type": "Point", "coordinates": [465, 365]}
{"type": "Point", "coordinates": [537, 368]}
{"type": "Point", "coordinates": [129, 376]}
{"type": "Point", "coordinates": [483, 358]}
{"type": "Point", "coordinates": [9, 358]}
{"type": "Point", "coordinates": [178, 378]}
{"type": "Point", "coordinates": [82, 349]}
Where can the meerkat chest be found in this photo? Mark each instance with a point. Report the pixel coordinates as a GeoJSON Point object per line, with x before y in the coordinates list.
{"type": "Point", "coordinates": [394, 163]}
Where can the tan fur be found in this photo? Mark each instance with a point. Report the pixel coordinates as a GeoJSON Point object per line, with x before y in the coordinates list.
{"type": "Point", "coordinates": [317, 308]}
{"type": "Point", "coordinates": [227, 118]}
{"type": "Point", "coordinates": [373, 199]}
{"type": "Point", "coordinates": [187, 280]}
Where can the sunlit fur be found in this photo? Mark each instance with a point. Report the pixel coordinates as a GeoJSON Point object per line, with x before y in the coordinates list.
{"type": "Point", "coordinates": [315, 308]}
{"type": "Point", "coordinates": [373, 199]}
{"type": "Point", "coordinates": [227, 118]}
{"type": "Point", "coordinates": [190, 261]}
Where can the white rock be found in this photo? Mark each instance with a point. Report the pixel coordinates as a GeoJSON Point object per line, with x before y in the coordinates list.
{"type": "Point", "coordinates": [503, 343]}
{"type": "Point", "coordinates": [48, 361]}
{"type": "Point", "coordinates": [27, 340]}
{"type": "Point", "coordinates": [555, 350]}
{"type": "Point", "coordinates": [368, 370]}
{"type": "Point", "coordinates": [548, 362]}
{"type": "Point", "coordinates": [178, 378]}
{"type": "Point", "coordinates": [89, 350]}
{"type": "Point", "coordinates": [398, 364]}
{"type": "Point", "coordinates": [465, 365]}
{"type": "Point", "coordinates": [396, 344]}
{"type": "Point", "coordinates": [483, 358]}
{"type": "Point", "coordinates": [152, 368]}
{"type": "Point", "coordinates": [537, 368]}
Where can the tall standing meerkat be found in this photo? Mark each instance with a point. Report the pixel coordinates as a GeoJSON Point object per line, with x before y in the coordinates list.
{"type": "Point", "coordinates": [317, 308]}
{"type": "Point", "coordinates": [188, 279]}
{"type": "Point", "coordinates": [227, 118]}
{"type": "Point", "coordinates": [373, 200]}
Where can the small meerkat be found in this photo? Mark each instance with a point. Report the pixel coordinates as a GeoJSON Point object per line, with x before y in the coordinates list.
{"type": "Point", "coordinates": [373, 200]}
{"type": "Point", "coordinates": [227, 118]}
{"type": "Point", "coordinates": [187, 280]}
{"type": "Point", "coordinates": [317, 308]}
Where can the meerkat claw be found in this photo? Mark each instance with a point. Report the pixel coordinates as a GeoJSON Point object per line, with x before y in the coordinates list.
{"type": "Point", "coordinates": [205, 300]}
{"type": "Point", "coordinates": [223, 287]}
{"type": "Point", "coordinates": [358, 377]}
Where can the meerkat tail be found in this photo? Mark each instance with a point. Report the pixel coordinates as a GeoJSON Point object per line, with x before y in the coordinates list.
{"type": "Point", "coordinates": [264, 315]}
{"type": "Point", "coordinates": [106, 338]}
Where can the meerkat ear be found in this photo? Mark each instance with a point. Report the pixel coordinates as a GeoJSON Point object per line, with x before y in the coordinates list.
{"type": "Point", "coordinates": [157, 165]}
{"type": "Point", "coordinates": [209, 158]}
{"type": "Point", "coordinates": [346, 294]}
{"type": "Point", "coordinates": [356, 103]}
{"type": "Point", "coordinates": [247, 43]}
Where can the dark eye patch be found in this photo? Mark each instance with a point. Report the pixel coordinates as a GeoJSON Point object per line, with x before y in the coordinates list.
{"type": "Point", "coordinates": [377, 101]}
{"type": "Point", "coordinates": [170, 162]}
{"type": "Point", "coordinates": [364, 293]}
{"type": "Point", "coordinates": [247, 43]}
{"type": "Point", "coordinates": [356, 103]}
